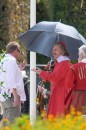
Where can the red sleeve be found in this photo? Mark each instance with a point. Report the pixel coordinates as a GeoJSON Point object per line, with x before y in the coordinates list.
{"type": "Point", "coordinates": [70, 78]}
{"type": "Point", "coordinates": [58, 72]}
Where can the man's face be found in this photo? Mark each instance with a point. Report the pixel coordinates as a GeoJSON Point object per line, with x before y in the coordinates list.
{"type": "Point", "coordinates": [56, 51]}
{"type": "Point", "coordinates": [17, 53]}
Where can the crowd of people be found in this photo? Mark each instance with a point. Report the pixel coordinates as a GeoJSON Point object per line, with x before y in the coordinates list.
{"type": "Point", "coordinates": [68, 82]}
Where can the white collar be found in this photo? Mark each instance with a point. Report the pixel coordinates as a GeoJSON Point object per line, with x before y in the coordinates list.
{"type": "Point", "coordinates": [9, 55]}
{"type": "Point", "coordinates": [62, 58]}
{"type": "Point", "coordinates": [83, 60]}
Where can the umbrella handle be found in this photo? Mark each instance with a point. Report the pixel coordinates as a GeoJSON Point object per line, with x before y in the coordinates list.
{"type": "Point", "coordinates": [50, 66]}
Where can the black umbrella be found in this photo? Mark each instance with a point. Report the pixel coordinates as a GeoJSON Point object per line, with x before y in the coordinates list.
{"type": "Point", "coordinates": [42, 37]}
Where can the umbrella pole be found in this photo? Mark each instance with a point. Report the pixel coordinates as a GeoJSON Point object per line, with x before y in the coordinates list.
{"type": "Point", "coordinates": [32, 65]}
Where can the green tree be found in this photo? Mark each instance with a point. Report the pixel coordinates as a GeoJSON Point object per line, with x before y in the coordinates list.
{"type": "Point", "coordinates": [14, 19]}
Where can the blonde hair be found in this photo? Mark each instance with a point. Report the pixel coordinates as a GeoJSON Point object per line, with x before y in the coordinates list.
{"type": "Point", "coordinates": [12, 46]}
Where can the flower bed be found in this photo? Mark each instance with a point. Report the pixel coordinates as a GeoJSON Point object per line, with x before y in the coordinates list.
{"type": "Point", "coordinates": [72, 121]}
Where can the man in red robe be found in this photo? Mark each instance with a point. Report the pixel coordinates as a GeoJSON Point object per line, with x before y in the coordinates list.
{"type": "Point", "coordinates": [76, 79]}
{"type": "Point", "coordinates": [57, 79]}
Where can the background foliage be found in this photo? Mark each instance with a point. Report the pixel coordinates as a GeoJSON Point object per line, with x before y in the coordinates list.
{"type": "Point", "coordinates": [72, 12]}
{"type": "Point", "coordinates": [14, 18]}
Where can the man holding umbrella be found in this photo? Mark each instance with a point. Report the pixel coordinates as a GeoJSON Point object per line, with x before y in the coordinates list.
{"type": "Point", "coordinates": [57, 79]}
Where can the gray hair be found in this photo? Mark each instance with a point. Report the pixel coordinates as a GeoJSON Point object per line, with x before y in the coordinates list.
{"type": "Point", "coordinates": [82, 50]}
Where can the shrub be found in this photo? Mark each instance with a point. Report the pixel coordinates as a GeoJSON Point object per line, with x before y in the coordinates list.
{"type": "Point", "coordinates": [72, 121]}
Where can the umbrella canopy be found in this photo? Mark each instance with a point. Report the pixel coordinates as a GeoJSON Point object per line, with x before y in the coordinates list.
{"type": "Point", "coordinates": [42, 37]}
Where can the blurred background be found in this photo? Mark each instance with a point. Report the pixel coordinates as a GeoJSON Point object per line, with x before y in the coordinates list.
{"type": "Point", "coordinates": [15, 19]}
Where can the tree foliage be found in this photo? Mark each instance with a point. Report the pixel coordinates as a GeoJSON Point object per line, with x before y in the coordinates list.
{"type": "Point", "coordinates": [72, 12]}
{"type": "Point", "coordinates": [14, 19]}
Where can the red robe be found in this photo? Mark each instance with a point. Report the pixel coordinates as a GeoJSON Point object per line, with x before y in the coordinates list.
{"type": "Point", "coordinates": [57, 80]}
{"type": "Point", "coordinates": [76, 79]}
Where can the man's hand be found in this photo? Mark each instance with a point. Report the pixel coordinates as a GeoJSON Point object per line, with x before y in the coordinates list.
{"type": "Point", "coordinates": [16, 97]}
{"type": "Point", "coordinates": [16, 101]}
{"type": "Point", "coordinates": [37, 70]}
{"type": "Point", "coordinates": [22, 65]}
{"type": "Point", "coordinates": [40, 89]}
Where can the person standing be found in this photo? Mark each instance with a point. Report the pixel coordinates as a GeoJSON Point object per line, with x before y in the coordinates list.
{"type": "Point", "coordinates": [12, 87]}
{"type": "Point", "coordinates": [57, 79]}
{"type": "Point", "coordinates": [76, 80]}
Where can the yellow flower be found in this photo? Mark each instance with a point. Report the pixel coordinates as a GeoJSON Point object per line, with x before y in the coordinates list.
{"type": "Point", "coordinates": [5, 120]}
{"type": "Point", "coordinates": [50, 118]}
{"type": "Point", "coordinates": [23, 127]}
{"type": "Point", "coordinates": [82, 126]}
{"type": "Point", "coordinates": [69, 122]}
{"type": "Point", "coordinates": [28, 126]}
{"type": "Point", "coordinates": [43, 113]}
{"type": "Point", "coordinates": [27, 121]}
{"type": "Point", "coordinates": [79, 113]}
{"type": "Point", "coordinates": [74, 120]}
{"type": "Point", "coordinates": [72, 112]}
{"type": "Point", "coordinates": [6, 128]}
{"type": "Point", "coordinates": [68, 116]}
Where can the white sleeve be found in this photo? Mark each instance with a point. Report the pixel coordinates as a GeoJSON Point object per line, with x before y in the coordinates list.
{"type": "Point", "coordinates": [23, 97]}
{"type": "Point", "coordinates": [11, 74]}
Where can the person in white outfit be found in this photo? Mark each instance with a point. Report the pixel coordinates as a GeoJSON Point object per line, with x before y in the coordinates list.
{"type": "Point", "coordinates": [11, 87]}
